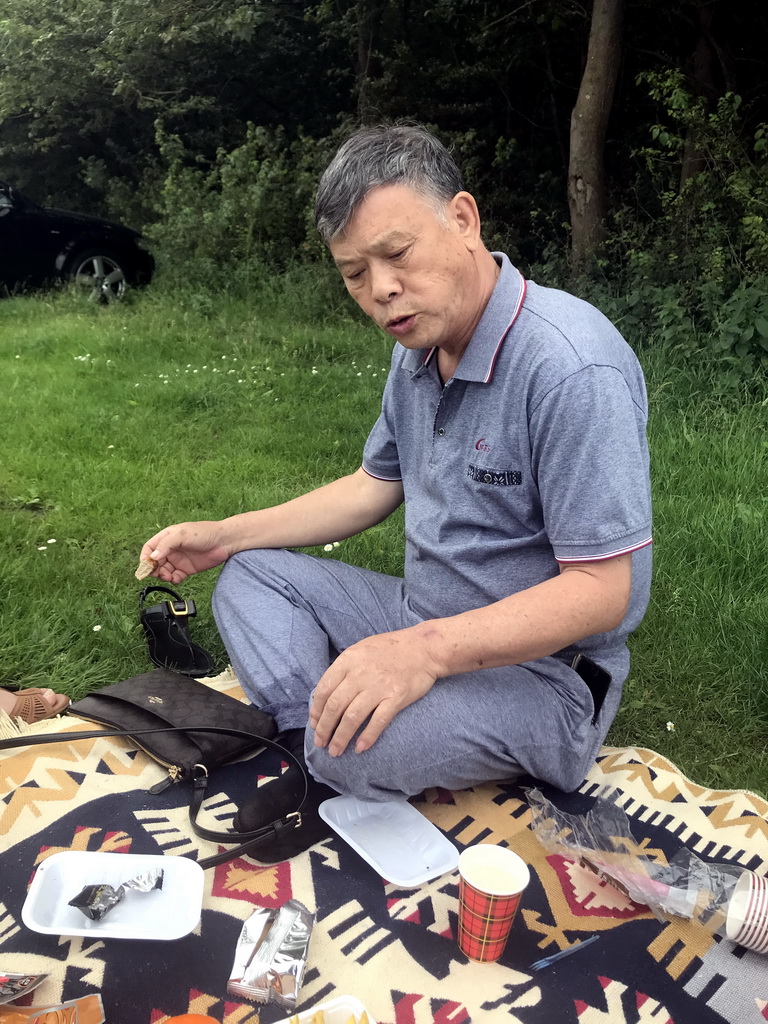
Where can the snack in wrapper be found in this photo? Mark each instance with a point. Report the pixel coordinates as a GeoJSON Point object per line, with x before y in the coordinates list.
{"type": "Point", "coordinates": [13, 986]}
{"type": "Point", "coordinates": [271, 955]}
{"type": "Point", "coordinates": [146, 567]}
{"type": "Point", "coordinates": [96, 901]}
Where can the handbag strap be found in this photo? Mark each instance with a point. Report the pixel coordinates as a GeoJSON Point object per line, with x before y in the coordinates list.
{"type": "Point", "coordinates": [200, 783]}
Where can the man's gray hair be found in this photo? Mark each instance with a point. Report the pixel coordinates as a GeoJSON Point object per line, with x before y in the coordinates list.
{"type": "Point", "coordinates": [383, 155]}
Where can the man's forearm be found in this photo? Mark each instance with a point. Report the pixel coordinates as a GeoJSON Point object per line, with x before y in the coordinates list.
{"type": "Point", "coordinates": [336, 511]}
{"type": "Point", "coordinates": [582, 600]}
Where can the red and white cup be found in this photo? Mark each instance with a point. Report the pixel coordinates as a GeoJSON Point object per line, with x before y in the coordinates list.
{"type": "Point", "coordinates": [747, 917]}
{"type": "Point", "coordinates": [491, 884]}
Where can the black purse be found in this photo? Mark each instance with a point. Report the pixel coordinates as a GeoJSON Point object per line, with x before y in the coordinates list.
{"type": "Point", "coordinates": [189, 728]}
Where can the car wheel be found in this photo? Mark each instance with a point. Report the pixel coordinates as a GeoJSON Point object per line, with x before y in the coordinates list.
{"type": "Point", "coordinates": [98, 274]}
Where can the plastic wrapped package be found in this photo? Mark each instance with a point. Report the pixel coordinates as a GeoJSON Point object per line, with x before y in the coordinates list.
{"type": "Point", "coordinates": [602, 841]}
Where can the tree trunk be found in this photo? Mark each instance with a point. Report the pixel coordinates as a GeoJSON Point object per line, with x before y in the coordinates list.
{"type": "Point", "coordinates": [704, 83]}
{"type": "Point", "coordinates": [589, 122]}
{"type": "Point", "coordinates": [369, 17]}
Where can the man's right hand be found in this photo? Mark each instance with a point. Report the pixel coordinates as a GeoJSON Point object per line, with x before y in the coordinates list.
{"type": "Point", "coordinates": [186, 548]}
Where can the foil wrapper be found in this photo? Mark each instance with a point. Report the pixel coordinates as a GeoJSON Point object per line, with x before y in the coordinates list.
{"type": "Point", "coordinates": [96, 901]}
{"type": "Point", "coordinates": [271, 955]}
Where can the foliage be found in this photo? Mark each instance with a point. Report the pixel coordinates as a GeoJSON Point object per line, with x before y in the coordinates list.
{"type": "Point", "coordinates": [685, 267]}
{"type": "Point", "coordinates": [245, 210]}
{"type": "Point", "coordinates": [209, 123]}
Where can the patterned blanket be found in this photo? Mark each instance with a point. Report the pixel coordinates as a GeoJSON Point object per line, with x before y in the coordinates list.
{"type": "Point", "coordinates": [394, 949]}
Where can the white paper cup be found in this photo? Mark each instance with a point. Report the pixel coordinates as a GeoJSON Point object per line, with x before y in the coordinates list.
{"type": "Point", "coordinates": [491, 883]}
{"type": "Point", "coordinates": [747, 918]}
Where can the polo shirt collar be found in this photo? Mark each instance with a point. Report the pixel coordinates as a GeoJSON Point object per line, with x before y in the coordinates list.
{"type": "Point", "coordinates": [480, 355]}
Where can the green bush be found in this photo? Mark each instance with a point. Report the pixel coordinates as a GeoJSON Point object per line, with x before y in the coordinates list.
{"type": "Point", "coordinates": [238, 219]}
{"type": "Point", "coordinates": [684, 267]}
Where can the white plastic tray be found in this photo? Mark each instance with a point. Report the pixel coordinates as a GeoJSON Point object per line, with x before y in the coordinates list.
{"type": "Point", "coordinates": [335, 1011]}
{"type": "Point", "coordinates": [167, 913]}
{"type": "Point", "coordinates": [393, 837]}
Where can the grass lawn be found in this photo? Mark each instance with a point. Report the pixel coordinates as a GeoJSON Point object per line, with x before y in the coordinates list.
{"type": "Point", "coordinates": [118, 421]}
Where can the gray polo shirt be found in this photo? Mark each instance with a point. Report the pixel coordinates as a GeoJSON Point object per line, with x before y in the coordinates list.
{"type": "Point", "coordinates": [534, 453]}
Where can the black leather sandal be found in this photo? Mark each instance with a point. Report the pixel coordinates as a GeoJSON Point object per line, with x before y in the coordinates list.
{"type": "Point", "coordinates": [166, 627]}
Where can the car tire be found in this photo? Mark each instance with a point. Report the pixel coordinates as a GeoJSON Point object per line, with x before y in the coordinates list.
{"type": "Point", "coordinates": [101, 274]}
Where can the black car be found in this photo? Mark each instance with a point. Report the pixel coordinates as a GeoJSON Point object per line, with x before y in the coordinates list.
{"type": "Point", "coordinates": [40, 245]}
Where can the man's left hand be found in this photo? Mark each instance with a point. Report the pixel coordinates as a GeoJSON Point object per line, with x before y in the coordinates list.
{"type": "Point", "coordinates": [376, 677]}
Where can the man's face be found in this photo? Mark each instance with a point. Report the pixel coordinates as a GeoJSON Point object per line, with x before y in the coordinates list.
{"type": "Point", "coordinates": [412, 271]}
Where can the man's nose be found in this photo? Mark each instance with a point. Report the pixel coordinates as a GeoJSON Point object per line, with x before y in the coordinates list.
{"type": "Point", "coordinates": [385, 284]}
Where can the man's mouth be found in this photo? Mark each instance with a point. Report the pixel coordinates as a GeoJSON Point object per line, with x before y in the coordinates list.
{"type": "Point", "coordinates": [400, 325]}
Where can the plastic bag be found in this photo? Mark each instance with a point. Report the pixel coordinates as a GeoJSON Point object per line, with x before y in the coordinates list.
{"type": "Point", "coordinates": [602, 841]}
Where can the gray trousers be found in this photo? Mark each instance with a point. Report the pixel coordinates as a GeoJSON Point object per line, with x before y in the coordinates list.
{"type": "Point", "coordinates": [285, 615]}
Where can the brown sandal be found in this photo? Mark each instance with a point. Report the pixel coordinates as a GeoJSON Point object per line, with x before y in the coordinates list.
{"type": "Point", "coordinates": [31, 707]}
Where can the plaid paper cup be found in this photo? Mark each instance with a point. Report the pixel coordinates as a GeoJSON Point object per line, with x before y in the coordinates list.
{"type": "Point", "coordinates": [747, 920]}
{"type": "Point", "coordinates": [491, 884]}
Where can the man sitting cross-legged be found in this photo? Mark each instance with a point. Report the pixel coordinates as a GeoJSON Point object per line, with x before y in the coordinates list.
{"type": "Point", "coordinates": [513, 429]}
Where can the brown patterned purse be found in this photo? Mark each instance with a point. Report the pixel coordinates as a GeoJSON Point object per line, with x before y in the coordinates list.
{"type": "Point", "coordinates": [189, 728]}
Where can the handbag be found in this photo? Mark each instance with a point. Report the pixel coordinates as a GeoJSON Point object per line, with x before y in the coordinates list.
{"type": "Point", "coordinates": [190, 729]}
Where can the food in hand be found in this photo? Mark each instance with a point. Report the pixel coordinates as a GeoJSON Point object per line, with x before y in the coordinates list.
{"type": "Point", "coordinates": [146, 567]}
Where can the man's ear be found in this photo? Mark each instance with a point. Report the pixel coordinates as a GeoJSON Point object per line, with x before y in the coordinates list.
{"type": "Point", "coordinates": [464, 213]}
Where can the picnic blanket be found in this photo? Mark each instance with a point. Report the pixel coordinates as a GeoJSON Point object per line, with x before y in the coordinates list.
{"type": "Point", "coordinates": [393, 948]}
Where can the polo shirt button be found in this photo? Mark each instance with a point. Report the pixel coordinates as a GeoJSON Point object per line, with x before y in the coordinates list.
{"type": "Point", "coordinates": [441, 431]}
{"type": "Point", "coordinates": [487, 478]}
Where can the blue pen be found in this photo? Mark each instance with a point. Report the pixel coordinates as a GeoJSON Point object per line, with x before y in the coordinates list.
{"type": "Point", "coordinates": [547, 960]}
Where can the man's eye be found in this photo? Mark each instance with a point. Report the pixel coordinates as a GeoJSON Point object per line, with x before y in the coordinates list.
{"type": "Point", "coordinates": [354, 277]}
{"type": "Point", "coordinates": [398, 255]}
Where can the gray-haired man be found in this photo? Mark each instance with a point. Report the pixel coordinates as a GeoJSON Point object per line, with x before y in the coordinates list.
{"type": "Point", "coordinates": [513, 428]}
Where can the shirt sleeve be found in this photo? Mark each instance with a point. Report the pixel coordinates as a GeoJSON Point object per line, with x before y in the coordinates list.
{"type": "Point", "coordinates": [590, 461]}
{"type": "Point", "coordinates": [380, 456]}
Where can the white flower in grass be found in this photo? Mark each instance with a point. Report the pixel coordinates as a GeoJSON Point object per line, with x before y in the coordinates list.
{"type": "Point", "coordinates": [336, 544]}
{"type": "Point", "coordinates": [360, 374]}
{"type": "Point", "coordinates": [42, 548]}
{"type": "Point", "coordinates": [670, 726]}
{"type": "Point", "coordinates": [110, 446]}
{"type": "Point", "coordinates": [328, 547]}
{"type": "Point", "coordinates": [52, 540]}
{"type": "Point", "coordinates": [96, 629]}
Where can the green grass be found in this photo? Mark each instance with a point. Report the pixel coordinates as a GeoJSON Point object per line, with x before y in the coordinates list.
{"type": "Point", "coordinates": [116, 422]}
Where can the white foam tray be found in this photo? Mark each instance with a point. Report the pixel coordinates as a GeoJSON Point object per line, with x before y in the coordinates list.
{"type": "Point", "coordinates": [167, 913]}
{"type": "Point", "coordinates": [393, 837]}
{"type": "Point", "coordinates": [335, 1011]}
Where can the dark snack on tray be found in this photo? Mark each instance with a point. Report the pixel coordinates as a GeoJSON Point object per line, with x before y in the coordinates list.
{"type": "Point", "coordinates": [95, 901]}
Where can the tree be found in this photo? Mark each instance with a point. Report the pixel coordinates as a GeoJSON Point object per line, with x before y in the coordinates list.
{"type": "Point", "coordinates": [589, 124]}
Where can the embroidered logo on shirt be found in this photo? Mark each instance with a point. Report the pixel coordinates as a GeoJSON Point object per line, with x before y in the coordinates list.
{"type": "Point", "coordinates": [482, 445]}
{"type": "Point", "coordinates": [499, 477]}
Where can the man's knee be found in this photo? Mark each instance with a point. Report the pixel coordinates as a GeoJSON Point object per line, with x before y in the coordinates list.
{"type": "Point", "coordinates": [368, 776]}
{"type": "Point", "coordinates": [244, 570]}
